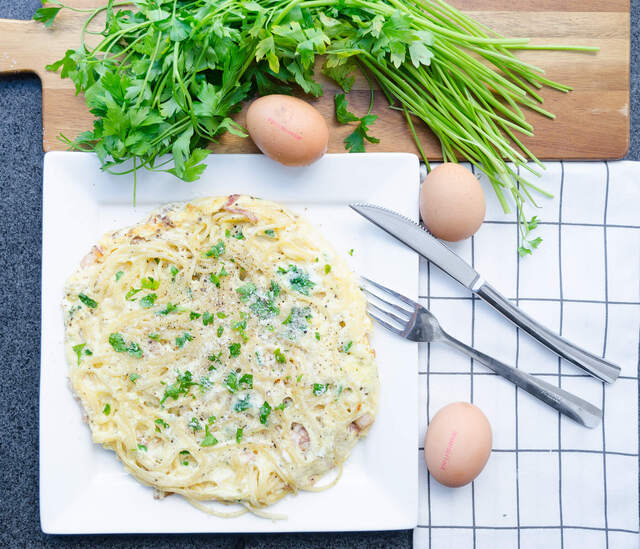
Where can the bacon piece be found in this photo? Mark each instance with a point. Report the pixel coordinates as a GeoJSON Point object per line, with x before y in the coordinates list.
{"type": "Point", "coordinates": [301, 436]}
{"type": "Point", "coordinates": [91, 257]}
{"type": "Point", "coordinates": [240, 211]}
{"type": "Point", "coordinates": [362, 423]}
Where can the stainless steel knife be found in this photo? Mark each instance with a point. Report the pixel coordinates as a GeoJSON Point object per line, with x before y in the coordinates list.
{"type": "Point", "coordinates": [419, 239]}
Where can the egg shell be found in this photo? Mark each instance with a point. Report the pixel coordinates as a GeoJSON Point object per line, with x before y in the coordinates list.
{"type": "Point", "coordinates": [458, 444]}
{"type": "Point", "coordinates": [287, 129]}
{"type": "Point", "coordinates": [452, 204]}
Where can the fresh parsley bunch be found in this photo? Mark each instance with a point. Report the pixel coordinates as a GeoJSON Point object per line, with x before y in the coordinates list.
{"type": "Point", "coordinates": [167, 75]}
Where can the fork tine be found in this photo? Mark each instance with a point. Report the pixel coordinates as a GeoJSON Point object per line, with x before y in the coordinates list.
{"type": "Point", "coordinates": [386, 325]}
{"type": "Point", "coordinates": [394, 294]}
{"type": "Point", "coordinates": [387, 303]}
{"type": "Point", "coordinates": [397, 319]}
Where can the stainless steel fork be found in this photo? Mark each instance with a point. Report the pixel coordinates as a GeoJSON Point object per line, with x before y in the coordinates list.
{"type": "Point", "coordinates": [416, 323]}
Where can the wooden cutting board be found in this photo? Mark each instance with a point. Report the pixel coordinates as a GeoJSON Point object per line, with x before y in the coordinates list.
{"type": "Point", "coordinates": [592, 121]}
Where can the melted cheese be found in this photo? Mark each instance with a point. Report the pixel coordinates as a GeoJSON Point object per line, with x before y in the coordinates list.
{"type": "Point", "coordinates": [222, 352]}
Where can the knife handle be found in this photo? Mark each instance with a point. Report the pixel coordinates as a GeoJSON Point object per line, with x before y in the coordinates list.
{"type": "Point", "coordinates": [592, 364]}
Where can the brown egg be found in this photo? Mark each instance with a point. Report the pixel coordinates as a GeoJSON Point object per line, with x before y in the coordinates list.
{"type": "Point", "coordinates": [287, 129]}
{"type": "Point", "coordinates": [458, 444]}
{"type": "Point", "coordinates": [452, 202]}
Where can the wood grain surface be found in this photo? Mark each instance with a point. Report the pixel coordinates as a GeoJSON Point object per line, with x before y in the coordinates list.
{"type": "Point", "coordinates": [592, 121]}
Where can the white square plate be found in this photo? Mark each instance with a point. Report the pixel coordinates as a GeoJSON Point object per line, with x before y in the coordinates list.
{"type": "Point", "coordinates": [84, 488]}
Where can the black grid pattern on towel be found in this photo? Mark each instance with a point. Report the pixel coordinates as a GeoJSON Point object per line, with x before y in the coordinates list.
{"type": "Point", "coordinates": [430, 371]}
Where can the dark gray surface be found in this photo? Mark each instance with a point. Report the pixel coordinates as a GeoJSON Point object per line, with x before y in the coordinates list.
{"type": "Point", "coordinates": [20, 245]}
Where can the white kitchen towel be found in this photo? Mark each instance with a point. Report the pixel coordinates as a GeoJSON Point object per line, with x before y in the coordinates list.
{"type": "Point", "coordinates": [549, 482]}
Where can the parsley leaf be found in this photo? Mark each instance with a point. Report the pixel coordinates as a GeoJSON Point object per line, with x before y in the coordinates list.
{"type": "Point", "coordinates": [238, 435]}
{"type": "Point", "coordinates": [182, 386]}
{"type": "Point", "coordinates": [354, 142]}
{"type": "Point", "coordinates": [77, 349]}
{"type": "Point", "coordinates": [150, 283]}
{"type": "Point", "coordinates": [46, 15]}
{"type": "Point", "coordinates": [119, 275]}
{"type": "Point", "coordinates": [181, 340]}
{"type": "Point", "coordinates": [234, 349]}
{"type": "Point", "coordinates": [216, 250]}
{"type": "Point", "coordinates": [209, 439]}
{"type": "Point", "coordinates": [194, 423]}
{"type": "Point", "coordinates": [120, 346]}
{"type": "Point", "coordinates": [320, 388]}
{"type": "Point", "coordinates": [193, 315]}
{"type": "Point", "coordinates": [265, 410]}
{"type": "Point", "coordinates": [107, 409]}
{"type": "Point", "coordinates": [92, 304]}
{"type": "Point", "coordinates": [242, 404]}
{"type": "Point", "coordinates": [134, 377]}
{"type": "Point", "coordinates": [279, 356]}
{"type": "Point", "coordinates": [148, 300]}
{"type": "Point", "coordinates": [231, 382]}
{"type": "Point", "coordinates": [207, 318]}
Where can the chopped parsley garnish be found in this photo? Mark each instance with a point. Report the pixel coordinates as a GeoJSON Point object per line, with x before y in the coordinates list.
{"type": "Point", "coordinates": [282, 405]}
{"type": "Point", "coordinates": [265, 410]}
{"type": "Point", "coordinates": [270, 232]}
{"type": "Point", "coordinates": [351, 251]}
{"type": "Point", "coordinates": [119, 275]}
{"type": "Point", "coordinates": [339, 393]}
{"type": "Point", "coordinates": [297, 322]}
{"type": "Point", "coordinates": [209, 439]}
{"type": "Point", "coordinates": [259, 358]}
{"type": "Point", "coordinates": [234, 349]}
{"type": "Point", "coordinates": [193, 315]}
{"type": "Point", "coordinates": [148, 300]}
{"type": "Point", "coordinates": [227, 233]}
{"type": "Point", "coordinates": [320, 388]}
{"type": "Point", "coordinates": [182, 386]}
{"type": "Point", "coordinates": [215, 278]}
{"type": "Point", "coordinates": [174, 272]}
{"type": "Point", "coordinates": [211, 420]}
{"type": "Point", "coordinates": [120, 346]}
{"type": "Point", "coordinates": [274, 289]}
{"type": "Point", "coordinates": [243, 403]}
{"type": "Point", "coordinates": [207, 318]}
{"type": "Point", "coordinates": [155, 337]}
{"type": "Point", "coordinates": [134, 377]}
{"type": "Point", "coordinates": [205, 384]}
{"type": "Point", "coordinates": [231, 382]}
{"type": "Point", "coordinates": [107, 409]}
{"type": "Point", "coordinates": [246, 381]}
{"type": "Point", "coordinates": [216, 250]}
{"type": "Point", "coordinates": [195, 424]}
{"type": "Point", "coordinates": [299, 378]}
{"type": "Point", "coordinates": [162, 423]}
{"type": "Point", "coordinates": [132, 291]}
{"type": "Point", "coordinates": [318, 336]}
{"type": "Point", "coordinates": [88, 352]}
{"type": "Point", "coordinates": [92, 304]}
{"type": "Point", "coordinates": [150, 283]}
{"type": "Point", "coordinates": [220, 314]}
{"type": "Point", "coordinates": [181, 340]}
{"type": "Point", "coordinates": [239, 235]}
{"type": "Point", "coordinates": [216, 358]}
{"type": "Point", "coordinates": [169, 308]}
{"type": "Point", "coordinates": [279, 356]}
{"type": "Point", "coordinates": [142, 447]}
{"type": "Point", "coordinates": [298, 279]}
{"type": "Point", "coordinates": [246, 291]}
{"type": "Point", "coordinates": [238, 435]}
{"type": "Point", "coordinates": [327, 269]}
{"type": "Point", "coordinates": [77, 349]}
{"type": "Point", "coordinates": [347, 346]}
{"type": "Point", "coordinates": [220, 330]}
{"type": "Point", "coordinates": [264, 308]}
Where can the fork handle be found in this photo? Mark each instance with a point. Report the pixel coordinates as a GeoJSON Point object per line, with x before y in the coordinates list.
{"type": "Point", "coordinates": [594, 365]}
{"type": "Point", "coordinates": [570, 405]}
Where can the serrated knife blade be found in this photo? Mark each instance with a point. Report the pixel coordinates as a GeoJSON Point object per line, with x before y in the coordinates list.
{"type": "Point", "coordinates": [419, 239]}
{"type": "Point", "coordinates": [428, 246]}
